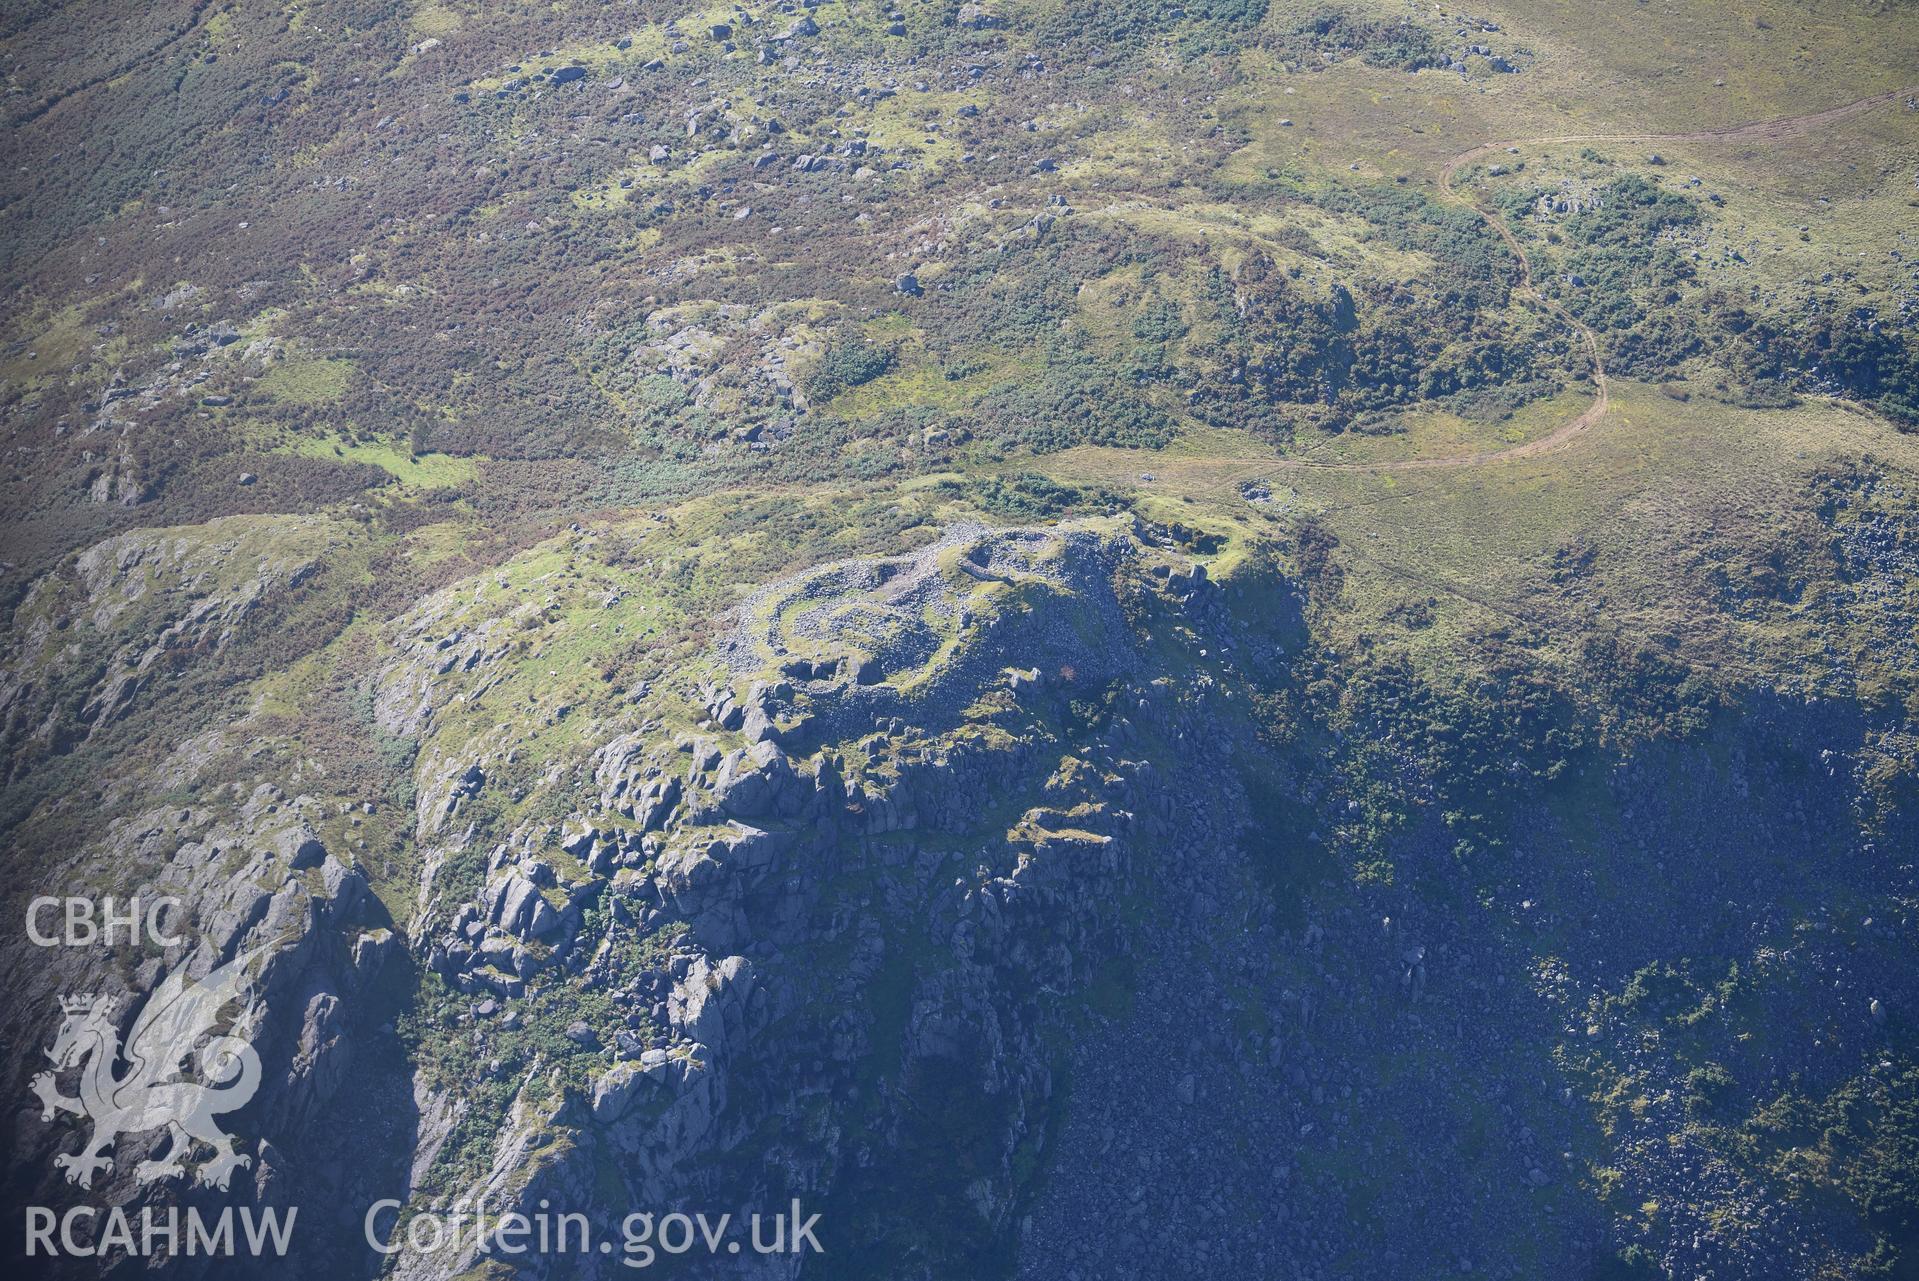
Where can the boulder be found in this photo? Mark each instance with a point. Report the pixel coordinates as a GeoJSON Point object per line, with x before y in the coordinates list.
{"type": "Point", "coordinates": [300, 847]}
{"type": "Point", "coordinates": [615, 1091]}
{"type": "Point", "coordinates": [511, 906]}
{"type": "Point", "coordinates": [758, 726]}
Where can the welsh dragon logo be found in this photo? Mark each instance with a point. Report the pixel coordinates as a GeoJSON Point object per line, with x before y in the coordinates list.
{"type": "Point", "coordinates": [153, 1092]}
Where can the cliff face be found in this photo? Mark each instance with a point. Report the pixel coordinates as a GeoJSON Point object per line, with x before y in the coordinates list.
{"type": "Point", "coordinates": [876, 838]}
{"type": "Point", "coordinates": [1027, 881]}
{"type": "Point", "coordinates": [828, 894]}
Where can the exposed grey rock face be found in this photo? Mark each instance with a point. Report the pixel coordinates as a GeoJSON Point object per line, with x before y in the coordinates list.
{"type": "Point", "coordinates": [758, 849]}
{"type": "Point", "coordinates": [829, 893]}
{"type": "Point", "coordinates": [255, 885]}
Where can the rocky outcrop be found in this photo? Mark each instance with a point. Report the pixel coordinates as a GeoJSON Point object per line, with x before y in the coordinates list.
{"type": "Point", "coordinates": [253, 885]}
{"type": "Point", "coordinates": [939, 833]}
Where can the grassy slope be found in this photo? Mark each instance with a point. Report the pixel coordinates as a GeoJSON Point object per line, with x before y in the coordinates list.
{"type": "Point", "coordinates": [1657, 486]}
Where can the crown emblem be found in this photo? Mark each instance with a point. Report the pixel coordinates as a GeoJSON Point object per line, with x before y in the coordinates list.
{"type": "Point", "coordinates": [87, 1003]}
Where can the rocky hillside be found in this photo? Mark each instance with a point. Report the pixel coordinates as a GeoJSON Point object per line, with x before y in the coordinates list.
{"type": "Point", "coordinates": [1037, 877]}
{"type": "Point", "coordinates": [1249, 638]}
